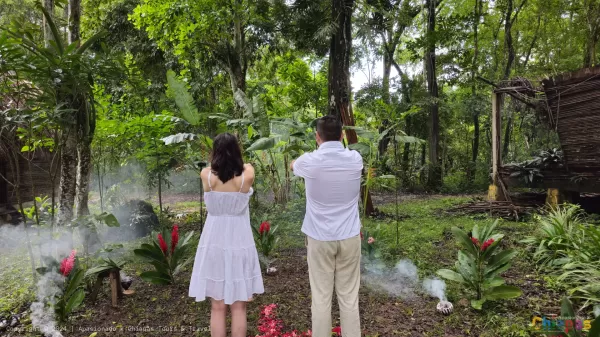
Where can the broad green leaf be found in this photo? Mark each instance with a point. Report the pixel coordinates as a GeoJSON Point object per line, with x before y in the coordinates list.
{"type": "Point", "coordinates": [409, 140]}
{"type": "Point", "coordinates": [475, 232]}
{"type": "Point", "coordinates": [74, 301]}
{"type": "Point", "coordinates": [464, 240]}
{"type": "Point", "coordinates": [155, 277]}
{"type": "Point", "coordinates": [56, 36]}
{"type": "Point", "coordinates": [478, 304]}
{"type": "Point", "coordinates": [451, 275]}
{"type": "Point", "coordinates": [178, 138]}
{"type": "Point", "coordinates": [98, 270]}
{"type": "Point", "coordinates": [74, 282]}
{"type": "Point", "coordinates": [362, 148]}
{"type": "Point", "coordinates": [500, 263]}
{"type": "Point", "coordinates": [493, 282]}
{"type": "Point", "coordinates": [91, 41]}
{"type": "Point", "coordinates": [183, 99]}
{"type": "Point", "coordinates": [503, 292]}
{"type": "Point", "coordinates": [109, 219]}
{"type": "Point", "coordinates": [262, 144]}
{"type": "Point", "coordinates": [151, 255]}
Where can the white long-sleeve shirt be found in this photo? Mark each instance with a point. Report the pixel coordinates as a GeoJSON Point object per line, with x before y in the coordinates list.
{"type": "Point", "coordinates": [332, 177]}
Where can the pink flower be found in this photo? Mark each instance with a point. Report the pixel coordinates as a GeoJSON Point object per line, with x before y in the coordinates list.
{"type": "Point", "coordinates": [66, 265]}
{"type": "Point", "coordinates": [174, 238]}
{"type": "Point", "coordinates": [337, 330]}
{"type": "Point", "coordinates": [162, 243]}
{"type": "Point", "coordinates": [264, 227]}
{"type": "Point", "coordinates": [371, 240]}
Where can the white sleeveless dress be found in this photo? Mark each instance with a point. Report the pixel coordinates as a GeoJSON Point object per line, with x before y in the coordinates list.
{"type": "Point", "coordinates": [226, 265]}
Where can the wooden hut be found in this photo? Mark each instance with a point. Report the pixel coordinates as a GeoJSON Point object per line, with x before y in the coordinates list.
{"type": "Point", "coordinates": [570, 105]}
{"type": "Point", "coordinates": [34, 177]}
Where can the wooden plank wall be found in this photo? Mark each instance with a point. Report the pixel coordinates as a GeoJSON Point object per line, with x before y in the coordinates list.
{"type": "Point", "coordinates": [39, 175]}
{"type": "Point", "coordinates": [574, 103]}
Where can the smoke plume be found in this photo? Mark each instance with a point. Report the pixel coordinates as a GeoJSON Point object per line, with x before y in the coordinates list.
{"type": "Point", "coordinates": [42, 313]}
{"type": "Point", "coordinates": [402, 280]}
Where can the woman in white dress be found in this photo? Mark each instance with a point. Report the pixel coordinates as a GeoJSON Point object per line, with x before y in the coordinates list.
{"type": "Point", "coordinates": [226, 268]}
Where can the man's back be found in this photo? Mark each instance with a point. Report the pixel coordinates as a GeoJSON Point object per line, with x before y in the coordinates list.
{"type": "Point", "coordinates": [332, 176]}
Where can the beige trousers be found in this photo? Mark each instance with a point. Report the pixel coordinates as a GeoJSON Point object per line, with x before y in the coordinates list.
{"type": "Point", "coordinates": [334, 263]}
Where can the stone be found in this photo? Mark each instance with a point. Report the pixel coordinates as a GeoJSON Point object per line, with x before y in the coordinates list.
{"type": "Point", "coordinates": [137, 219]}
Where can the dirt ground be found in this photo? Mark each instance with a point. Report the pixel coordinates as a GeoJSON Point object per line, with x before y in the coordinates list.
{"type": "Point", "coordinates": [167, 310]}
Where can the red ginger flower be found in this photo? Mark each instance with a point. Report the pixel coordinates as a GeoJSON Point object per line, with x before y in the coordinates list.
{"type": "Point", "coordinates": [264, 227]}
{"type": "Point", "coordinates": [162, 243]}
{"type": "Point", "coordinates": [174, 238]}
{"type": "Point", "coordinates": [475, 241]}
{"type": "Point", "coordinates": [66, 265]}
{"type": "Point", "coordinates": [337, 330]}
{"type": "Point", "coordinates": [487, 244]}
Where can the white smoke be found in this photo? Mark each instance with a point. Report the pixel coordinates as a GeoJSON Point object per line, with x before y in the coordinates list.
{"type": "Point", "coordinates": [436, 288]}
{"type": "Point", "coordinates": [42, 311]}
{"type": "Point", "coordinates": [402, 280]}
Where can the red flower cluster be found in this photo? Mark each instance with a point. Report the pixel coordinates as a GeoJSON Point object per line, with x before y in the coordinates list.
{"type": "Point", "coordinates": [66, 265]}
{"type": "Point", "coordinates": [270, 326]}
{"type": "Point", "coordinates": [487, 244]}
{"type": "Point", "coordinates": [265, 227]}
{"type": "Point", "coordinates": [174, 238]}
{"type": "Point", "coordinates": [475, 241]}
{"type": "Point", "coordinates": [162, 244]}
{"type": "Point", "coordinates": [337, 330]}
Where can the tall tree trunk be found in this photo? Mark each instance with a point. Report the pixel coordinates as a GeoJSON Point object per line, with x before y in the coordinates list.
{"type": "Point", "coordinates": [236, 62]}
{"type": "Point", "coordinates": [388, 57]}
{"type": "Point", "coordinates": [476, 133]}
{"type": "Point", "coordinates": [434, 178]}
{"type": "Point", "coordinates": [68, 169]}
{"type": "Point", "coordinates": [510, 50]}
{"type": "Point", "coordinates": [74, 20]}
{"type": "Point", "coordinates": [84, 170]}
{"type": "Point", "coordinates": [49, 6]}
{"type": "Point", "coordinates": [593, 31]}
{"type": "Point", "coordinates": [339, 76]}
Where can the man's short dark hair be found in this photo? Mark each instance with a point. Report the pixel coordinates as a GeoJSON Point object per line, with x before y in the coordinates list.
{"type": "Point", "coordinates": [329, 128]}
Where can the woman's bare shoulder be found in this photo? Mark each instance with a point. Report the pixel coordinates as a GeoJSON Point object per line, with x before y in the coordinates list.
{"type": "Point", "coordinates": [204, 172]}
{"type": "Point", "coordinates": [248, 170]}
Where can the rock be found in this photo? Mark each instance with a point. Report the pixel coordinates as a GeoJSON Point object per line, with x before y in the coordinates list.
{"type": "Point", "coordinates": [15, 320]}
{"type": "Point", "coordinates": [137, 219]}
{"type": "Point", "coordinates": [3, 323]}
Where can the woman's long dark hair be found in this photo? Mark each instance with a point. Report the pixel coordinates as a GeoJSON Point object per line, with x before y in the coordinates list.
{"type": "Point", "coordinates": [226, 159]}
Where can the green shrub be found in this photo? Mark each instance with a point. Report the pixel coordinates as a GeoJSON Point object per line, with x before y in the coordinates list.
{"type": "Point", "coordinates": [560, 235]}
{"type": "Point", "coordinates": [167, 254]}
{"type": "Point", "coordinates": [480, 264]}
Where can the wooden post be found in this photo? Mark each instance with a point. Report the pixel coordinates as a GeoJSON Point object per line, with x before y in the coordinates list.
{"type": "Point", "coordinates": [115, 287]}
{"type": "Point", "coordinates": [496, 192]}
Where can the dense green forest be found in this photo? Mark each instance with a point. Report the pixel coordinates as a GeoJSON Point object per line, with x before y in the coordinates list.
{"type": "Point", "coordinates": [425, 69]}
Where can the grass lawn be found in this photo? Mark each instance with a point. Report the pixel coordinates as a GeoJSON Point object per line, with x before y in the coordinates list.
{"type": "Point", "coordinates": [422, 235]}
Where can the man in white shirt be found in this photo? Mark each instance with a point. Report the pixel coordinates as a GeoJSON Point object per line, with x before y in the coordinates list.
{"type": "Point", "coordinates": [332, 176]}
